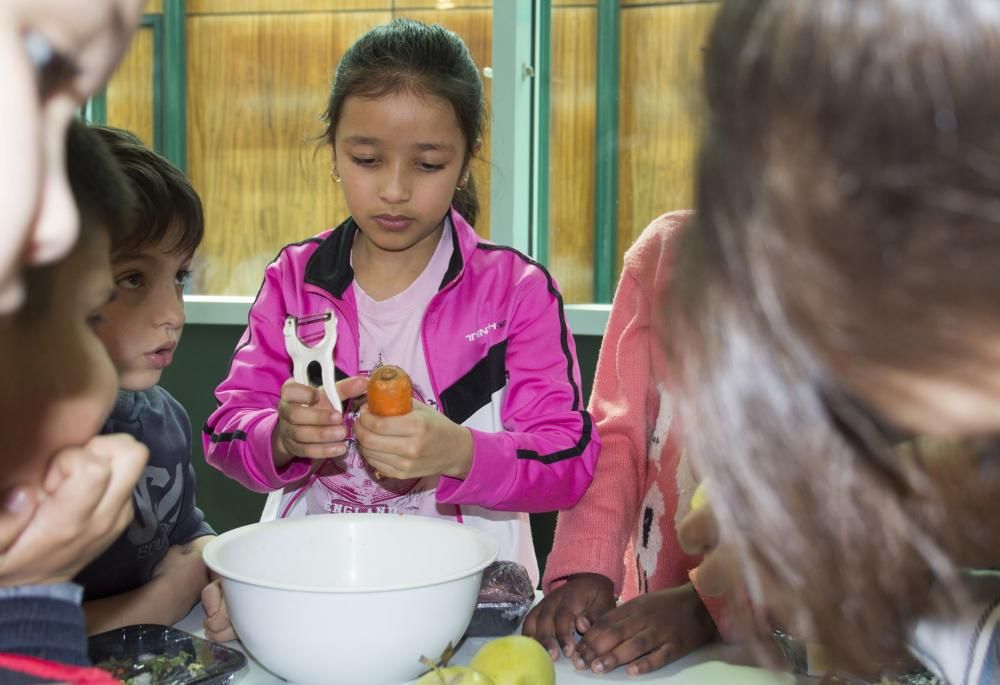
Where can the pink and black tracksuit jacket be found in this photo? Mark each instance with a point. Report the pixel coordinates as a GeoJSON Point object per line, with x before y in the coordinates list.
{"type": "Point", "coordinates": [501, 360]}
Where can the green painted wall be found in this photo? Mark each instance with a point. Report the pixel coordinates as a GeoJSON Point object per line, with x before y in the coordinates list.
{"type": "Point", "coordinates": [202, 361]}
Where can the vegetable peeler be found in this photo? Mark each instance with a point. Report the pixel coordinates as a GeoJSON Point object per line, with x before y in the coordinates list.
{"type": "Point", "coordinates": [313, 366]}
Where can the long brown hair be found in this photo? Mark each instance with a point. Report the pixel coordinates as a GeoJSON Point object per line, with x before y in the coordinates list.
{"type": "Point", "coordinates": [847, 227]}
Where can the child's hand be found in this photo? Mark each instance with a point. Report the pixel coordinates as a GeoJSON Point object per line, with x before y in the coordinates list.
{"type": "Point", "coordinates": [217, 625]}
{"type": "Point", "coordinates": [308, 426]}
{"type": "Point", "coordinates": [84, 504]}
{"type": "Point", "coordinates": [576, 604]}
{"type": "Point", "coordinates": [646, 632]}
{"type": "Point", "coordinates": [16, 511]}
{"type": "Point", "coordinates": [421, 443]}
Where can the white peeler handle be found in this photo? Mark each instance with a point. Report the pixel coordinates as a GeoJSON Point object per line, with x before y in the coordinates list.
{"type": "Point", "coordinates": [322, 354]}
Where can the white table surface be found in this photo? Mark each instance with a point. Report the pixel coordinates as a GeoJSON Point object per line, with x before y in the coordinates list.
{"type": "Point", "coordinates": [713, 664]}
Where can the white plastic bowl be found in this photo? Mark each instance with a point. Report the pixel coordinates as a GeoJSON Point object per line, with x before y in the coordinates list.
{"type": "Point", "coordinates": [350, 598]}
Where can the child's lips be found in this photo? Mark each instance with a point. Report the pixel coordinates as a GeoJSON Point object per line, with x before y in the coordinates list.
{"type": "Point", "coordinates": [162, 356]}
{"type": "Point", "coordinates": [159, 360]}
{"type": "Point", "coordinates": [393, 222]}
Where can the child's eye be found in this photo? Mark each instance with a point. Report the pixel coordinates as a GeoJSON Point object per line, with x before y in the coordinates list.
{"type": "Point", "coordinates": [364, 161]}
{"type": "Point", "coordinates": [131, 281]}
{"type": "Point", "coordinates": [182, 277]}
{"type": "Point", "coordinates": [427, 166]}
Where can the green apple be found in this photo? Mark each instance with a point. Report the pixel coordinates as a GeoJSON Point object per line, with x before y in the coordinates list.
{"type": "Point", "coordinates": [454, 675]}
{"type": "Point", "coordinates": [699, 498]}
{"type": "Point", "coordinates": [515, 660]}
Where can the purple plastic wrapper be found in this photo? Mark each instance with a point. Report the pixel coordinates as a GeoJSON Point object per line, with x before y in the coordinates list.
{"type": "Point", "coordinates": [505, 597]}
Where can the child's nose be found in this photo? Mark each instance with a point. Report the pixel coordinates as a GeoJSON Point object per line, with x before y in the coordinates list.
{"type": "Point", "coordinates": [394, 187]}
{"type": "Point", "coordinates": [170, 309]}
{"type": "Point", "coordinates": [58, 222]}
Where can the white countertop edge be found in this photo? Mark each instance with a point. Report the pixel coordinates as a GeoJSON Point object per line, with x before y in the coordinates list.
{"type": "Point", "coordinates": [584, 319]}
{"type": "Point", "coordinates": [676, 673]}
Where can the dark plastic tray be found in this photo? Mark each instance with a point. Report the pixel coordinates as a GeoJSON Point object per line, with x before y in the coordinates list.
{"type": "Point", "coordinates": [901, 674]}
{"type": "Point", "coordinates": [151, 654]}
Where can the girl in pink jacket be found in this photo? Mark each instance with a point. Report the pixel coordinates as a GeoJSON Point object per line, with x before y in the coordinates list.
{"type": "Point", "coordinates": [498, 426]}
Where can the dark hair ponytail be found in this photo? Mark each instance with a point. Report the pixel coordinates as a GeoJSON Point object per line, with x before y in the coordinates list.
{"type": "Point", "coordinates": [409, 56]}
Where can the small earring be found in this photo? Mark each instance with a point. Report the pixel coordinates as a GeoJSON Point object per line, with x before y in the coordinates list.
{"type": "Point", "coordinates": [333, 175]}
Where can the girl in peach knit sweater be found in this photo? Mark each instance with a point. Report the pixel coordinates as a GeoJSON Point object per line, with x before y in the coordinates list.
{"type": "Point", "coordinates": [619, 541]}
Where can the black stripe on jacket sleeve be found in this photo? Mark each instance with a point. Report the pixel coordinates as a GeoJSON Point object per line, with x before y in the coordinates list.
{"type": "Point", "coordinates": [223, 437]}
{"type": "Point", "coordinates": [568, 453]}
{"type": "Point", "coordinates": [475, 389]}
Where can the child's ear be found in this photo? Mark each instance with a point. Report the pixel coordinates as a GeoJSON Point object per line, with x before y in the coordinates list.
{"type": "Point", "coordinates": [467, 167]}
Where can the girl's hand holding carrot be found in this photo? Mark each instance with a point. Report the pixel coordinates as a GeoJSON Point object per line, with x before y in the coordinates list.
{"type": "Point", "coordinates": [420, 443]}
{"type": "Point", "coordinates": [401, 438]}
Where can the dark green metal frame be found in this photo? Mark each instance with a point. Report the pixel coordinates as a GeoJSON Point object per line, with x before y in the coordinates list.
{"type": "Point", "coordinates": [169, 84]}
{"type": "Point", "coordinates": [542, 134]}
{"type": "Point", "coordinates": [96, 109]}
{"type": "Point", "coordinates": [175, 83]}
{"type": "Point", "coordinates": [156, 22]}
{"type": "Point", "coordinates": [97, 106]}
{"type": "Point", "coordinates": [606, 150]}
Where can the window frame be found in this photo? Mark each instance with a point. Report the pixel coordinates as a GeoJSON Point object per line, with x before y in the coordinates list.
{"type": "Point", "coordinates": [518, 158]}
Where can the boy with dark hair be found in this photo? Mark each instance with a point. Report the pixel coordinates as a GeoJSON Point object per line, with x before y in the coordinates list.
{"type": "Point", "coordinates": [154, 572]}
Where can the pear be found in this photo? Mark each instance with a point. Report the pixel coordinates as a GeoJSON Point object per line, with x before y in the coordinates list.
{"type": "Point", "coordinates": [515, 660]}
{"type": "Point", "coordinates": [454, 675]}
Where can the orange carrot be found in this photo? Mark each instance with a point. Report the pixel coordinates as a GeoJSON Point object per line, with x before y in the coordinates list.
{"type": "Point", "coordinates": [389, 391]}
